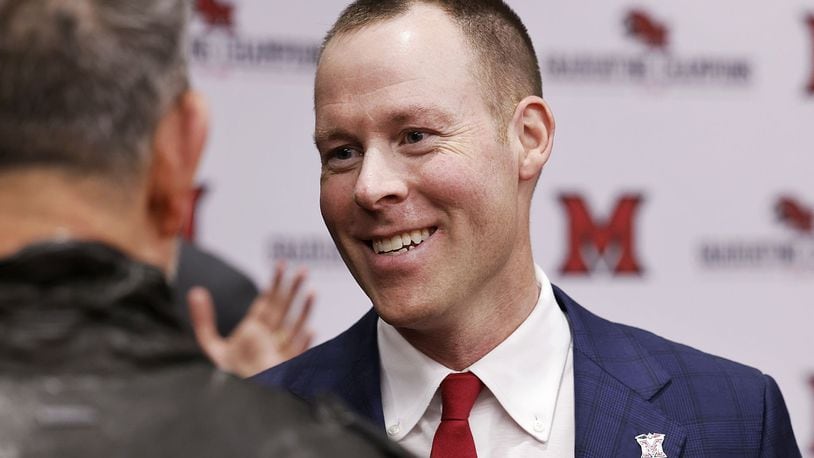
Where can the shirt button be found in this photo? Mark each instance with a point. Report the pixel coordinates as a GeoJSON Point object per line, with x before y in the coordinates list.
{"type": "Point", "coordinates": [394, 429]}
{"type": "Point", "coordinates": [539, 426]}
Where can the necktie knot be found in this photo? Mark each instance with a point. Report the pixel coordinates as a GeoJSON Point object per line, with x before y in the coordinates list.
{"type": "Point", "coordinates": [458, 394]}
{"type": "Point", "coordinates": [453, 438]}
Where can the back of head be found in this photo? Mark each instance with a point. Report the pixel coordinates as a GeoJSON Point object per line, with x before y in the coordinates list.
{"type": "Point", "coordinates": [83, 83]}
{"type": "Point", "coordinates": [507, 66]}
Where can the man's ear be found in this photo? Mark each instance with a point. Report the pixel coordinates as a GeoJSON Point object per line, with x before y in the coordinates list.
{"type": "Point", "coordinates": [177, 146]}
{"type": "Point", "coordinates": [533, 126]}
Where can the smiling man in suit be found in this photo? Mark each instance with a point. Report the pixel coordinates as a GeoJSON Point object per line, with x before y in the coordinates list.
{"type": "Point", "coordinates": [433, 132]}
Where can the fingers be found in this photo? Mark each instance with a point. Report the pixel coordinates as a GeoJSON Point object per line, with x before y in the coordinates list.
{"type": "Point", "coordinates": [278, 300]}
{"type": "Point", "coordinates": [299, 325]}
{"type": "Point", "coordinates": [298, 344]}
{"type": "Point", "coordinates": [271, 309]}
{"type": "Point", "coordinates": [279, 272]}
{"type": "Point", "coordinates": [299, 279]}
{"type": "Point", "coordinates": [268, 295]}
{"type": "Point", "coordinates": [202, 315]}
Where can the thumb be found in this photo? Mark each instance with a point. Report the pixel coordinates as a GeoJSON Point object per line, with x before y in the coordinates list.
{"type": "Point", "coordinates": [202, 315]}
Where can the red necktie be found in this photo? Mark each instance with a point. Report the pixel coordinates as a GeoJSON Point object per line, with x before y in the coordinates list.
{"type": "Point", "coordinates": [453, 438]}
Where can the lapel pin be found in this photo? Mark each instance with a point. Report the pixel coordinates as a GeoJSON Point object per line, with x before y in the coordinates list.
{"type": "Point", "coordinates": [651, 445]}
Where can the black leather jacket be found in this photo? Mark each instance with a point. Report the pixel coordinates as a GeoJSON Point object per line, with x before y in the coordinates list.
{"type": "Point", "coordinates": [95, 363]}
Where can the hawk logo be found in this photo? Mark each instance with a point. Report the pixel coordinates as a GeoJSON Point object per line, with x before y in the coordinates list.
{"type": "Point", "coordinates": [188, 229]}
{"type": "Point", "coordinates": [810, 24]}
{"type": "Point", "coordinates": [795, 215]}
{"type": "Point", "coordinates": [642, 27]}
{"type": "Point", "coordinates": [612, 240]}
{"type": "Point", "coordinates": [218, 43]}
{"type": "Point", "coordinates": [216, 13]}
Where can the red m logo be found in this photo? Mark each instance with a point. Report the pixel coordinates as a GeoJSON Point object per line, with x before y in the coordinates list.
{"type": "Point", "coordinates": [612, 240]}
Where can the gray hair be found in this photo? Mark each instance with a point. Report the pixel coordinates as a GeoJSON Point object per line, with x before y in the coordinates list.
{"type": "Point", "coordinates": [83, 83]}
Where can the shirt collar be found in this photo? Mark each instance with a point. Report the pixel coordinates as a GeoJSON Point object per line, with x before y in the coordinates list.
{"type": "Point", "coordinates": [524, 372]}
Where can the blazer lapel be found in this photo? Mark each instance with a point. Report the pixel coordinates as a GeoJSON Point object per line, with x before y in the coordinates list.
{"type": "Point", "coordinates": [609, 415]}
{"type": "Point", "coordinates": [361, 381]}
{"type": "Point", "coordinates": [346, 367]}
{"type": "Point", "coordinates": [615, 380]}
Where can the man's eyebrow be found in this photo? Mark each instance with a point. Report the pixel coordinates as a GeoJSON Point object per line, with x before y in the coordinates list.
{"type": "Point", "coordinates": [416, 113]}
{"type": "Point", "coordinates": [324, 135]}
{"type": "Point", "coordinates": [399, 116]}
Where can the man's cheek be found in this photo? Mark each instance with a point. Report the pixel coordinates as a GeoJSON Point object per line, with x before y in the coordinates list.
{"type": "Point", "coordinates": [451, 177]}
{"type": "Point", "coordinates": [334, 198]}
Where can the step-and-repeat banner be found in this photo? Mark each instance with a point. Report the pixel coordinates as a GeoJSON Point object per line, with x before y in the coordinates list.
{"type": "Point", "coordinates": [679, 197]}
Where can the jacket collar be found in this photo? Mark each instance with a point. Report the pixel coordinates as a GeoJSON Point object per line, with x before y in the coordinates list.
{"type": "Point", "coordinates": [75, 306]}
{"type": "Point", "coordinates": [347, 367]}
{"type": "Point", "coordinates": [616, 384]}
{"type": "Point", "coordinates": [363, 383]}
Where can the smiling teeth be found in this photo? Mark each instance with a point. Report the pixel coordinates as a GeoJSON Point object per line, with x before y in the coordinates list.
{"type": "Point", "coordinates": [402, 242]}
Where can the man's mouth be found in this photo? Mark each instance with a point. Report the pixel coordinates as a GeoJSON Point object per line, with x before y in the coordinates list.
{"type": "Point", "coordinates": [401, 243]}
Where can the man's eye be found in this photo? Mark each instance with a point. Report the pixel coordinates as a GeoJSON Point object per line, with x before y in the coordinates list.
{"type": "Point", "coordinates": [342, 154]}
{"type": "Point", "coordinates": [414, 136]}
{"type": "Point", "coordinates": [342, 158]}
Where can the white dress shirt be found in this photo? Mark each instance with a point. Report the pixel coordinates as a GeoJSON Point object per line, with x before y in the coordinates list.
{"type": "Point", "coordinates": [526, 407]}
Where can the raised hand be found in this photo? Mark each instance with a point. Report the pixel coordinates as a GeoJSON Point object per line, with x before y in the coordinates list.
{"type": "Point", "coordinates": [265, 337]}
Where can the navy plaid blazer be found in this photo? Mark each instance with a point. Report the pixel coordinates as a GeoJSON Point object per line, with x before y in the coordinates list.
{"type": "Point", "coordinates": [626, 382]}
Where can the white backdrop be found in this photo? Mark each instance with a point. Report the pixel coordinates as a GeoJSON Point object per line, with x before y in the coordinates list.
{"type": "Point", "coordinates": [696, 108]}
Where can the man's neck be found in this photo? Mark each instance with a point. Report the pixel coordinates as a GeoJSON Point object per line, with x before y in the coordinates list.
{"type": "Point", "coordinates": [38, 206]}
{"type": "Point", "coordinates": [483, 324]}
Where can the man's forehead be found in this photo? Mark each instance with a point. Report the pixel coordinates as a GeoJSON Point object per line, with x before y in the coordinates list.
{"type": "Point", "coordinates": [422, 26]}
{"type": "Point", "coordinates": [417, 50]}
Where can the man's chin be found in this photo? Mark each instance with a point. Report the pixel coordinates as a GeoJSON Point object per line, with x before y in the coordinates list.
{"type": "Point", "coordinates": [406, 316]}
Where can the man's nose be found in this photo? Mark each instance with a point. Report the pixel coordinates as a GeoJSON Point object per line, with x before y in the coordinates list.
{"type": "Point", "coordinates": [381, 181]}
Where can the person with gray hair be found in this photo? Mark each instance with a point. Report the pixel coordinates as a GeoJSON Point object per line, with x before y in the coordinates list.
{"type": "Point", "coordinates": [100, 137]}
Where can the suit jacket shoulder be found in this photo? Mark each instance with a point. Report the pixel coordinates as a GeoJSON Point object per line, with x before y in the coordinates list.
{"type": "Point", "coordinates": [628, 382]}
{"type": "Point", "coordinates": [346, 367]}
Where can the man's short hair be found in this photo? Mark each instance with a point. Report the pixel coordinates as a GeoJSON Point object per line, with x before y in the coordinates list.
{"type": "Point", "coordinates": [507, 67]}
{"type": "Point", "coordinates": [83, 83]}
